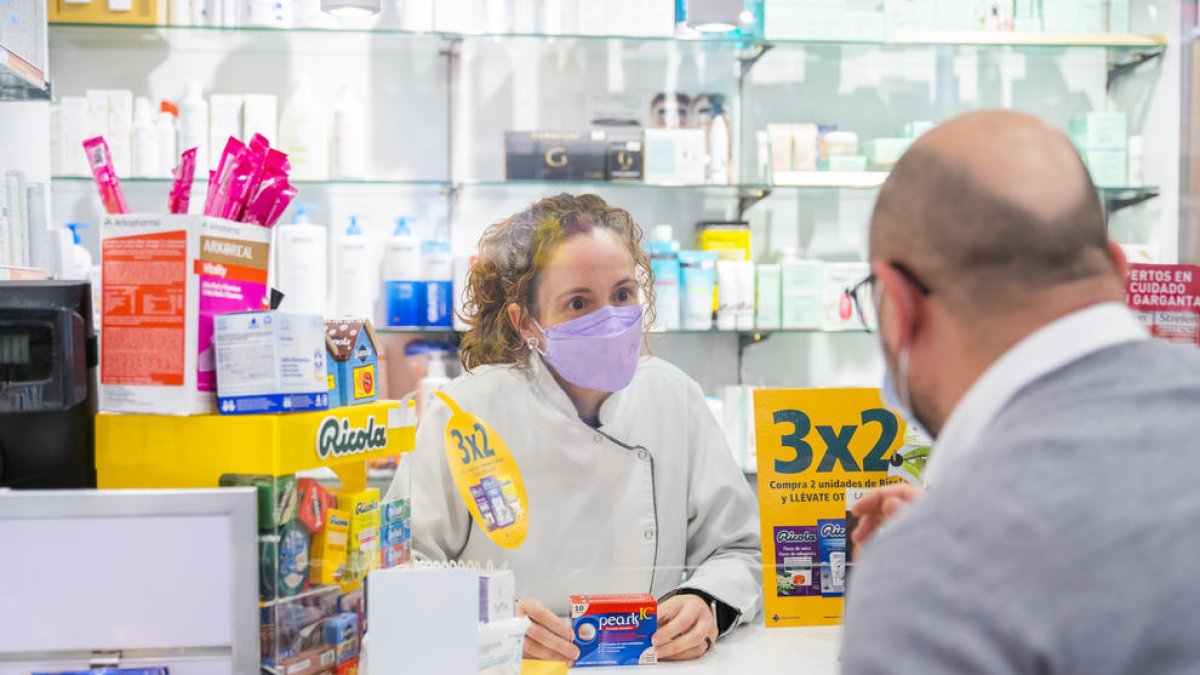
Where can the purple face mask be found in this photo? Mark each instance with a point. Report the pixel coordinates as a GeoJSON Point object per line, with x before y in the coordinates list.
{"type": "Point", "coordinates": [597, 351]}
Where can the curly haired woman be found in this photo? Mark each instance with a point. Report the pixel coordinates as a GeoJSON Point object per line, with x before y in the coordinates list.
{"type": "Point", "coordinates": [631, 486]}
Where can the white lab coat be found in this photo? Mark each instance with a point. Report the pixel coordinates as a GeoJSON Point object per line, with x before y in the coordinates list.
{"type": "Point", "coordinates": [649, 498]}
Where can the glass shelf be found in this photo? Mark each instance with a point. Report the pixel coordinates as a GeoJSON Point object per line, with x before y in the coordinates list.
{"type": "Point", "coordinates": [374, 182]}
{"type": "Point", "coordinates": [117, 35]}
{"type": "Point", "coordinates": [810, 180]}
{"type": "Point", "coordinates": [21, 81]}
{"type": "Point", "coordinates": [754, 335]}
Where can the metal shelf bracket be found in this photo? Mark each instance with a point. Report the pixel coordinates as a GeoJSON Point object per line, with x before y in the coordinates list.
{"type": "Point", "coordinates": [1133, 62]}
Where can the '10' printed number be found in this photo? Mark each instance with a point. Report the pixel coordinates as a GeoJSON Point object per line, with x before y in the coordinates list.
{"type": "Point", "coordinates": [837, 442]}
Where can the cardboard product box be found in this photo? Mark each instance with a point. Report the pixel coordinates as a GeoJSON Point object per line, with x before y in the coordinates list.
{"type": "Point", "coordinates": [614, 630]}
{"type": "Point", "coordinates": [675, 156]}
{"type": "Point", "coordinates": [625, 160]}
{"type": "Point", "coordinates": [165, 277]}
{"type": "Point", "coordinates": [328, 565]}
{"type": "Point", "coordinates": [1108, 168]}
{"type": "Point", "coordinates": [1099, 131]}
{"type": "Point", "coordinates": [362, 551]}
{"type": "Point", "coordinates": [839, 308]}
{"type": "Point", "coordinates": [269, 362]}
{"type": "Point", "coordinates": [311, 662]}
{"type": "Point", "coordinates": [555, 155]}
{"type": "Point", "coordinates": [352, 348]}
{"type": "Point", "coordinates": [133, 12]}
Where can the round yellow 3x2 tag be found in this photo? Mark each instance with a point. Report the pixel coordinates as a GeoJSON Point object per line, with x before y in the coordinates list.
{"type": "Point", "coordinates": [487, 476]}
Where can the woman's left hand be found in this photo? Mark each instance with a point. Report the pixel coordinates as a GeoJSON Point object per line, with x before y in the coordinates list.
{"type": "Point", "coordinates": [687, 628]}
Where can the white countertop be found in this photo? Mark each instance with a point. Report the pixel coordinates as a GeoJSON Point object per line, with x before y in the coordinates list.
{"type": "Point", "coordinates": [758, 650]}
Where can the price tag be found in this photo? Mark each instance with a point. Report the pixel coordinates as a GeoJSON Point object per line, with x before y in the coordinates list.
{"type": "Point", "coordinates": [819, 450]}
{"type": "Point", "coordinates": [487, 477]}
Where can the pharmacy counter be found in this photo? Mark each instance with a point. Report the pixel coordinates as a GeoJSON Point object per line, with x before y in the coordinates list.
{"type": "Point", "coordinates": [756, 650]}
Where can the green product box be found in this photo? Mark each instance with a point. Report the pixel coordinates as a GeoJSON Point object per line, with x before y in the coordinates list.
{"type": "Point", "coordinates": [1099, 131]}
{"type": "Point", "coordinates": [886, 151]}
{"type": "Point", "coordinates": [847, 163]}
{"type": "Point", "coordinates": [1118, 17]}
{"type": "Point", "coordinates": [1061, 16]}
{"type": "Point", "coordinates": [1109, 168]}
{"type": "Point", "coordinates": [769, 299]}
{"type": "Point", "coordinates": [916, 129]}
{"type": "Point", "coordinates": [277, 498]}
{"type": "Point", "coordinates": [802, 295]}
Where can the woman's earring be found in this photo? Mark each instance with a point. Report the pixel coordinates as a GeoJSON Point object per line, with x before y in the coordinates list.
{"type": "Point", "coordinates": [532, 343]}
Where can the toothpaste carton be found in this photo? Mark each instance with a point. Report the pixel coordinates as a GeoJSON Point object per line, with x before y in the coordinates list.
{"type": "Point", "coordinates": [164, 279]}
{"type": "Point", "coordinates": [614, 630]}
{"type": "Point", "coordinates": [269, 362]}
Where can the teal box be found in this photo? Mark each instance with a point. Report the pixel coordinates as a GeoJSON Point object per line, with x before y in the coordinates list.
{"type": "Point", "coordinates": [847, 163]}
{"type": "Point", "coordinates": [916, 129]}
{"type": "Point", "coordinates": [1109, 168]}
{"type": "Point", "coordinates": [886, 151]}
{"type": "Point", "coordinates": [1099, 131]}
{"type": "Point", "coordinates": [353, 361]}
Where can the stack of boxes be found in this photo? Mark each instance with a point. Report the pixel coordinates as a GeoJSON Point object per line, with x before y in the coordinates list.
{"type": "Point", "coordinates": [1102, 141]}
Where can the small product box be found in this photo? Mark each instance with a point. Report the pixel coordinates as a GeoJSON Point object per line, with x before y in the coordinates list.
{"type": "Point", "coordinates": [329, 549]}
{"type": "Point", "coordinates": [555, 155]}
{"type": "Point", "coordinates": [497, 596]}
{"type": "Point", "coordinates": [831, 553]}
{"type": "Point", "coordinates": [614, 630]}
{"type": "Point", "coordinates": [165, 278]}
{"type": "Point", "coordinates": [352, 362]}
{"type": "Point", "coordinates": [277, 498]}
{"type": "Point", "coordinates": [269, 362]}
{"type": "Point", "coordinates": [395, 533]}
{"type": "Point", "coordinates": [309, 662]}
{"type": "Point", "coordinates": [675, 156]}
{"type": "Point", "coordinates": [341, 633]}
{"type": "Point", "coordinates": [362, 550]}
{"type": "Point", "coordinates": [838, 307]}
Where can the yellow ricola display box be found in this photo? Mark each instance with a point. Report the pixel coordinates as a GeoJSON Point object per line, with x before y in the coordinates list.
{"type": "Point", "coordinates": [160, 451]}
{"type": "Point", "coordinates": [362, 547]}
{"type": "Point", "coordinates": [329, 549]}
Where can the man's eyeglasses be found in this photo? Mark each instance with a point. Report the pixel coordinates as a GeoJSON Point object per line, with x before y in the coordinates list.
{"type": "Point", "coordinates": [864, 291]}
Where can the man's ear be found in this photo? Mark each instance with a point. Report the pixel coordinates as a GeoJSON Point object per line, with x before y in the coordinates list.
{"type": "Point", "coordinates": [899, 302]}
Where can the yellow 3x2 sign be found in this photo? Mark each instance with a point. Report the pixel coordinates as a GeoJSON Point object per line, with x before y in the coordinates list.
{"type": "Point", "coordinates": [819, 450]}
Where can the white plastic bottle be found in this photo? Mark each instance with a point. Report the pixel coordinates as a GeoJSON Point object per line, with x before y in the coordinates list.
{"type": "Point", "coordinates": [303, 133]}
{"type": "Point", "coordinates": [437, 284]}
{"type": "Point", "coordinates": [300, 264]}
{"type": "Point", "coordinates": [80, 259]}
{"type": "Point", "coordinates": [718, 152]}
{"type": "Point", "coordinates": [145, 141]}
{"type": "Point", "coordinates": [166, 139]}
{"type": "Point", "coordinates": [436, 377]}
{"type": "Point", "coordinates": [179, 12]}
{"type": "Point", "coordinates": [349, 152]}
{"type": "Point", "coordinates": [193, 124]}
{"type": "Point", "coordinates": [402, 277]}
{"type": "Point", "coordinates": [355, 282]}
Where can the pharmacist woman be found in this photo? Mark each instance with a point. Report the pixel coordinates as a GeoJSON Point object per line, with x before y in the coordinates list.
{"type": "Point", "coordinates": [631, 486]}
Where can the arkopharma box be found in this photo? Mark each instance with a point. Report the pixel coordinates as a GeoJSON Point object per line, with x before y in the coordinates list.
{"type": "Point", "coordinates": [164, 278]}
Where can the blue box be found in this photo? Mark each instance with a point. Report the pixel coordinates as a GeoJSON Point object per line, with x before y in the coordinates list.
{"type": "Point", "coordinates": [270, 362]}
{"type": "Point", "coordinates": [831, 555]}
{"type": "Point", "coordinates": [353, 358]}
{"type": "Point", "coordinates": [614, 630]}
{"type": "Point", "coordinates": [341, 633]}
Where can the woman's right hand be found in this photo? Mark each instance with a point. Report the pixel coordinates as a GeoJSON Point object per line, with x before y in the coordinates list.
{"type": "Point", "coordinates": [549, 638]}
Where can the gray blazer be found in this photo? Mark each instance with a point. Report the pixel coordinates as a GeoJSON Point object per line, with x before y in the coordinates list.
{"type": "Point", "coordinates": [1068, 543]}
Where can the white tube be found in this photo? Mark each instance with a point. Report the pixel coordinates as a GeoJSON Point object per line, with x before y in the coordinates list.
{"type": "Point", "coordinates": [728, 294]}
{"type": "Point", "coordinates": [744, 311]}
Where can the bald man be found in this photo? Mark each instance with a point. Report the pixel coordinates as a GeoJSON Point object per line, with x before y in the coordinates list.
{"type": "Point", "coordinates": [1060, 530]}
